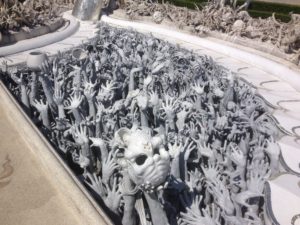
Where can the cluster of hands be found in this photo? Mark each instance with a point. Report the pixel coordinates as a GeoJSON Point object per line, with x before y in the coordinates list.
{"type": "Point", "coordinates": [218, 133]}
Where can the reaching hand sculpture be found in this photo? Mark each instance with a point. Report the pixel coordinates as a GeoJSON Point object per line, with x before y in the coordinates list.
{"type": "Point", "coordinates": [113, 198]}
{"type": "Point", "coordinates": [152, 127]}
{"type": "Point", "coordinates": [58, 98]}
{"type": "Point", "coordinates": [43, 110]}
{"type": "Point", "coordinates": [73, 105]}
{"type": "Point", "coordinates": [108, 167]}
{"type": "Point", "coordinates": [23, 89]}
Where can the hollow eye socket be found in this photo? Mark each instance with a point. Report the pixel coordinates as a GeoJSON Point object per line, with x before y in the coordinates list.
{"type": "Point", "coordinates": [140, 160]}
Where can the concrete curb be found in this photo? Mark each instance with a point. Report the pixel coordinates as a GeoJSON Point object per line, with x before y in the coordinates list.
{"type": "Point", "coordinates": [42, 40]}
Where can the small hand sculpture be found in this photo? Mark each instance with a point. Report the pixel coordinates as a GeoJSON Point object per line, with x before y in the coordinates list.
{"type": "Point", "coordinates": [237, 156]}
{"type": "Point", "coordinates": [108, 167]}
{"type": "Point", "coordinates": [74, 101]}
{"type": "Point", "coordinates": [72, 104]}
{"type": "Point", "coordinates": [154, 99]}
{"type": "Point", "coordinates": [257, 177]}
{"type": "Point", "coordinates": [221, 122]}
{"type": "Point", "coordinates": [195, 180]}
{"type": "Point", "coordinates": [205, 150]}
{"type": "Point", "coordinates": [211, 172]}
{"type": "Point", "coordinates": [80, 135]}
{"type": "Point", "coordinates": [89, 92]}
{"type": "Point", "coordinates": [198, 88]}
{"type": "Point", "coordinates": [96, 184]}
{"type": "Point", "coordinates": [169, 107]}
{"type": "Point", "coordinates": [42, 107]}
{"type": "Point", "coordinates": [222, 196]}
{"type": "Point", "coordinates": [58, 98]}
{"type": "Point", "coordinates": [273, 151]}
{"type": "Point", "coordinates": [113, 197]}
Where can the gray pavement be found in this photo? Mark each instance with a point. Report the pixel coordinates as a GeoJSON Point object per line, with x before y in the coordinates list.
{"type": "Point", "coordinates": [27, 196]}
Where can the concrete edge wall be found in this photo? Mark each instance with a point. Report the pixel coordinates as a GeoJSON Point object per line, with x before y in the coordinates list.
{"type": "Point", "coordinates": [43, 40]}
{"type": "Point", "coordinates": [36, 32]}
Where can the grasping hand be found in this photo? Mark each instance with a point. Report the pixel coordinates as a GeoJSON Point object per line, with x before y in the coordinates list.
{"type": "Point", "coordinates": [211, 215]}
{"type": "Point", "coordinates": [88, 91]}
{"type": "Point", "coordinates": [237, 156]}
{"type": "Point", "coordinates": [221, 122]}
{"type": "Point", "coordinates": [257, 176]}
{"type": "Point", "coordinates": [96, 184]}
{"type": "Point", "coordinates": [187, 149]}
{"type": "Point", "coordinates": [211, 172]}
{"type": "Point", "coordinates": [74, 101]}
{"type": "Point", "coordinates": [58, 97]}
{"type": "Point", "coordinates": [113, 198]}
{"type": "Point", "coordinates": [154, 99]}
{"type": "Point", "coordinates": [198, 88]}
{"type": "Point", "coordinates": [221, 195]}
{"type": "Point", "coordinates": [272, 149]}
{"type": "Point", "coordinates": [41, 106]}
{"type": "Point", "coordinates": [175, 149]}
{"type": "Point", "coordinates": [194, 180]}
{"type": "Point", "coordinates": [108, 167]}
{"type": "Point", "coordinates": [205, 150]}
{"type": "Point", "coordinates": [80, 135]}
{"type": "Point", "coordinates": [169, 107]}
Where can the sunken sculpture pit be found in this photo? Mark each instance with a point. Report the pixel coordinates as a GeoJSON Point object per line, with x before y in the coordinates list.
{"type": "Point", "coordinates": [158, 134]}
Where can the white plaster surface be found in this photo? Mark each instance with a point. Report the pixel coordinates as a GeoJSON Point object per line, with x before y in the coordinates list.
{"type": "Point", "coordinates": [290, 151]}
{"type": "Point", "coordinates": [285, 198]}
{"type": "Point", "coordinates": [289, 121]}
{"type": "Point", "coordinates": [281, 100]}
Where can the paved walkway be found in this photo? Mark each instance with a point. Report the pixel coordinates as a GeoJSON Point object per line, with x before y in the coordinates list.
{"type": "Point", "coordinates": [27, 197]}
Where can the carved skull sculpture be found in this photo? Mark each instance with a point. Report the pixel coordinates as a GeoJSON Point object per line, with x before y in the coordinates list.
{"type": "Point", "coordinates": [147, 161]}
